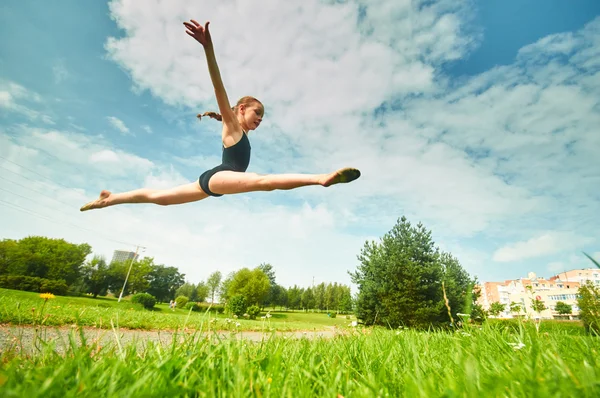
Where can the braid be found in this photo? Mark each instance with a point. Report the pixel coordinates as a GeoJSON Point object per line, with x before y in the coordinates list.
{"type": "Point", "coordinates": [213, 115]}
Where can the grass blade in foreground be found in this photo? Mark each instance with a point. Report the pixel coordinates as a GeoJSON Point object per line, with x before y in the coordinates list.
{"type": "Point", "coordinates": [479, 362]}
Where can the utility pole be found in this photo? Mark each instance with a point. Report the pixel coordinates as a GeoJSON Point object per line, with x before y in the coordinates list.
{"type": "Point", "coordinates": [137, 248]}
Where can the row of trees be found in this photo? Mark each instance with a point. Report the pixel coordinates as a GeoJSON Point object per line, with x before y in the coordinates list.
{"type": "Point", "coordinates": [259, 287]}
{"type": "Point", "coordinates": [58, 260]}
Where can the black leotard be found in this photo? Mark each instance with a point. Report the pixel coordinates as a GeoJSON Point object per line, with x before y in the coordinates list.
{"type": "Point", "coordinates": [235, 158]}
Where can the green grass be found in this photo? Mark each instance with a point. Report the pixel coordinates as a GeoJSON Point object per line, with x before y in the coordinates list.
{"type": "Point", "coordinates": [471, 363]}
{"type": "Point", "coordinates": [25, 308]}
{"type": "Point", "coordinates": [498, 359]}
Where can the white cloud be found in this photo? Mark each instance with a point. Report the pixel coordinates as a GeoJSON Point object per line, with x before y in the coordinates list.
{"type": "Point", "coordinates": [198, 238]}
{"type": "Point", "coordinates": [118, 124]}
{"type": "Point", "coordinates": [497, 157]}
{"type": "Point", "coordinates": [147, 129]}
{"type": "Point", "coordinates": [11, 97]}
{"type": "Point", "coordinates": [543, 245]}
{"type": "Point", "coordinates": [329, 70]}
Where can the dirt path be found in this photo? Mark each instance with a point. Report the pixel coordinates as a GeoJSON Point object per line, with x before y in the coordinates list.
{"type": "Point", "coordinates": [23, 337]}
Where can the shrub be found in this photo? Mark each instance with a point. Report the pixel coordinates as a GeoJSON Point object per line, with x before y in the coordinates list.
{"type": "Point", "coordinates": [181, 301]}
{"type": "Point", "coordinates": [203, 307]}
{"type": "Point", "coordinates": [193, 306]}
{"type": "Point", "coordinates": [145, 299]}
{"type": "Point", "coordinates": [237, 305]}
{"type": "Point", "coordinates": [589, 307]}
{"type": "Point", "coordinates": [53, 286]}
{"type": "Point", "coordinates": [34, 284]}
{"type": "Point", "coordinates": [253, 311]}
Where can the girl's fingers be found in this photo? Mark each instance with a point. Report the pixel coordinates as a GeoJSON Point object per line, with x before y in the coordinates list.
{"type": "Point", "coordinates": [190, 26]}
{"type": "Point", "coordinates": [195, 23]}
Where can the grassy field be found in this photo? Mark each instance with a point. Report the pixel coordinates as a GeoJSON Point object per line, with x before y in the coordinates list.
{"type": "Point", "coordinates": [27, 308]}
{"type": "Point", "coordinates": [497, 359]}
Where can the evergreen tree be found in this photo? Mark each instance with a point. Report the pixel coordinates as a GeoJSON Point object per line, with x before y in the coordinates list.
{"type": "Point", "coordinates": [400, 280]}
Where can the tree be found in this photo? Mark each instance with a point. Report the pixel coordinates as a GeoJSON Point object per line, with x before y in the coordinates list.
{"type": "Point", "coordinates": [188, 290]}
{"type": "Point", "coordinates": [274, 290]}
{"type": "Point", "coordinates": [538, 305]}
{"type": "Point", "coordinates": [269, 272]}
{"type": "Point", "coordinates": [400, 280]}
{"type": "Point", "coordinates": [307, 299]}
{"type": "Point", "coordinates": [346, 303]}
{"type": "Point", "coordinates": [213, 283]}
{"type": "Point", "coordinates": [139, 277]}
{"type": "Point", "coordinates": [164, 281]}
{"type": "Point", "coordinates": [202, 291]}
{"type": "Point", "coordinates": [496, 308]}
{"type": "Point", "coordinates": [319, 293]}
{"type": "Point", "coordinates": [44, 257]}
{"type": "Point", "coordinates": [252, 284]}
{"type": "Point", "coordinates": [563, 308]}
{"type": "Point", "coordinates": [8, 253]}
{"type": "Point", "coordinates": [294, 297]}
{"type": "Point", "coordinates": [515, 307]}
{"type": "Point", "coordinates": [588, 301]}
{"type": "Point", "coordinates": [280, 296]}
{"type": "Point", "coordinates": [95, 276]}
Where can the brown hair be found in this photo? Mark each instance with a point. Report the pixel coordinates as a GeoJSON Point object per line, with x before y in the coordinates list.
{"type": "Point", "coordinates": [247, 100]}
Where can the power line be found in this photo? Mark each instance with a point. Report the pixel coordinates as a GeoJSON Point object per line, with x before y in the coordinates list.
{"type": "Point", "coordinates": [33, 200]}
{"type": "Point", "coordinates": [29, 211]}
{"type": "Point", "coordinates": [46, 178]}
{"type": "Point", "coordinates": [34, 172]}
{"type": "Point", "coordinates": [34, 190]}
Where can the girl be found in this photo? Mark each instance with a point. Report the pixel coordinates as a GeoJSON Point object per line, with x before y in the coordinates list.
{"type": "Point", "coordinates": [230, 176]}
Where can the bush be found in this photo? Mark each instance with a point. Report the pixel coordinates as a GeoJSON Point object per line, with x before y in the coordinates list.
{"type": "Point", "coordinates": [181, 301]}
{"type": "Point", "coordinates": [193, 306]}
{"type": "Point", "coordinates": [253, 311]}
{"type": "Point", "coordinates": [589, 307]}
{"type": "Point", "coordinates": [145, 299]}
{"type": "Point", "coordinates": [34, 284]}
{"type": "Point", "coordinates": [203, 307]}
{"type": "Point", "coordinates": [52, 286]}
{"type": "Point", "coordinates": [237, 305]}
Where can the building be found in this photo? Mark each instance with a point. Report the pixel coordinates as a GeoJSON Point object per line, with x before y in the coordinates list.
{"type": "Point", "coordinates": [122, 255]}
{"type": "Point", "coordinates": [579, 275]}
{"type": "Point", "coordinates": [519, 295]}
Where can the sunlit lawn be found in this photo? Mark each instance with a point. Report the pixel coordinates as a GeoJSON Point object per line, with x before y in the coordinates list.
{"type": "Point", "coordinates": [491, 361]}
{"type": "Point", "coordinates": [24, 308]}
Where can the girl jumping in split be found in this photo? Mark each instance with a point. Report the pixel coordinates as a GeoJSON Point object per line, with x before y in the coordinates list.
{"type": "Point", "coordinates": [230, 176]}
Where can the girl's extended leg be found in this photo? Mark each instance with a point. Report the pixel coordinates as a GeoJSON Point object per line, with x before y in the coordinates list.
{"type": "Point", "coordinates": [231, 182]}
{"type": "Point", "coordinates": [182, 194]}
{"type": "Point", "coordinates": [223, 182]}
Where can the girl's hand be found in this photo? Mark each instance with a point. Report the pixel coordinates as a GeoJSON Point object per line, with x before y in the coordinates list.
{"type": "Point", "coordinates": [201, 34]}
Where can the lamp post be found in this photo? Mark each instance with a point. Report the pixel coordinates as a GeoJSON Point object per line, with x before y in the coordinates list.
{"type": "Point", "coordinates": [137, 248]}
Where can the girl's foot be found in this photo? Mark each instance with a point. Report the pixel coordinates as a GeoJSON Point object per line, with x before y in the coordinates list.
{"type": "Point", "coordinates": [98, 203]}
{"type": "Point", "coordinates": [344, 175]}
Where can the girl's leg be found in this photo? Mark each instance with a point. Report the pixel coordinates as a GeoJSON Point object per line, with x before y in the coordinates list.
{"type": "Point", "coordinates": [182, 194]}
{"type": "Point", "coordinates": [231, 182]}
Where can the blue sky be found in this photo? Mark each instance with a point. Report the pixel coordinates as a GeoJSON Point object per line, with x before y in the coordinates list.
{"type": "Point", "coordinates": [477, 118]}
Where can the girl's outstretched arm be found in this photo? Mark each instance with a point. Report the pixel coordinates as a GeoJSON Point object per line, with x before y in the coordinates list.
{"type": "Point", "coordinates": [202, 35]}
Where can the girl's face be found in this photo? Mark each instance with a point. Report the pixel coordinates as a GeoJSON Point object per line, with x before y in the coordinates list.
{"type": "Point", "coordinates": [252, 115]}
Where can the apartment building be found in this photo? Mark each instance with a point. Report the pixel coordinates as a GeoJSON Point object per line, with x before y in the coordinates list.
{"type": "Point", "coordinates": [524, 291]}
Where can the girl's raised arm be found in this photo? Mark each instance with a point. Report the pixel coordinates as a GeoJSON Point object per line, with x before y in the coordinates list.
{"type": "Point", "coordinates": [202, 35]}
